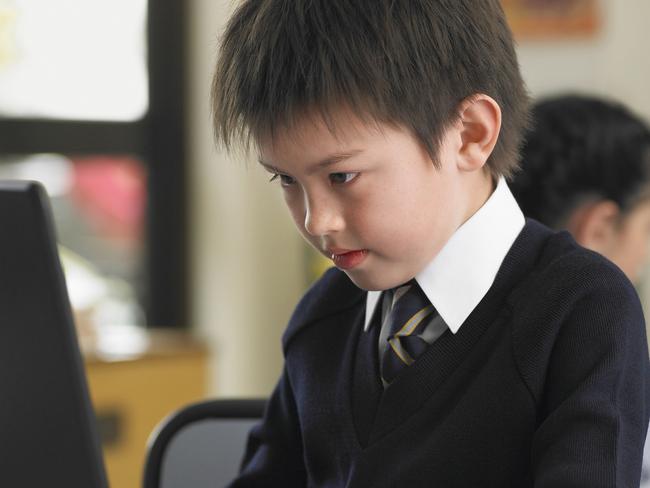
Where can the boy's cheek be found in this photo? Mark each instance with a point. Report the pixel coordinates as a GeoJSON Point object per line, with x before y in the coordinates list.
{"type": "Point", "coordinates": [312, 240]}
{"type": "Point", "coordinates": [297, 211]}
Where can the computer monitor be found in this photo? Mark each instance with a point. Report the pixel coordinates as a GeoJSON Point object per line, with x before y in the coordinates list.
{"type": "Point", "coordinates": [48, 435]}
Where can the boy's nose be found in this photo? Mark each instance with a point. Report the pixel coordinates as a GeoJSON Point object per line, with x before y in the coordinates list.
{"type": "Point", "coordinates": [322, 218]}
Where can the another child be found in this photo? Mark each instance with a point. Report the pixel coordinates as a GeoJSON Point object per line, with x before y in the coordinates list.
{"type": "Point", "coordinates": [586, 169]}
{"type": "Point", "coordinates": [455, 343]}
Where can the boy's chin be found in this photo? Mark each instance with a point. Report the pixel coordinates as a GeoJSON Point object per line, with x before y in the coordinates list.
{"type": "Point", "coordinates": [370, 281]}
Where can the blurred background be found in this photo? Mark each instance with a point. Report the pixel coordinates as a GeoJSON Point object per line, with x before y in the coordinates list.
{"type": "Point", "coordinates": [182, 263]}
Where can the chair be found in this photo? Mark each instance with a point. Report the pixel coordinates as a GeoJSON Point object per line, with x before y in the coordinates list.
{"type": "Point", "coordinates": [200, 445]}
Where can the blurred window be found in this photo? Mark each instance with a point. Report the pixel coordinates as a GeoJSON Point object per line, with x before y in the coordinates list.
{"type": "Point", "coordinates": [99, 205]}
{"type": "Point", "coordinates": [73, 59]}
{"type": "Point", "coordinates": [91, 104]}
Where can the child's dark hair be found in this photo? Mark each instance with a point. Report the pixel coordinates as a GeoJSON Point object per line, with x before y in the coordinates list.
{"type": "Point", "coordinates": [409, 63]}
{"type": "Point", "coordinates": [580, 149]}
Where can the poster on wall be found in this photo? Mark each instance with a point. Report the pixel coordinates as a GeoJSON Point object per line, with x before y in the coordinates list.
{"type": "Point", "coordinates": [548, 19]}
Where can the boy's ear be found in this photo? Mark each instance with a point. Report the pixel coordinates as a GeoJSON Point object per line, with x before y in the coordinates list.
{"type": "Point", "coordinates": [479, 124]}
{"type": "Point", "coordinates": [594, 225]}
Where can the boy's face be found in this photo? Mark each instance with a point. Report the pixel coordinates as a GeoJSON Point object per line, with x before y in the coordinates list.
{"type": "Point", "coordinates": [370, 197]}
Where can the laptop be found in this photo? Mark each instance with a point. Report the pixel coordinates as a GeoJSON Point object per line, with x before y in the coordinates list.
{"type": "Point", "coordinates": [48, 435]}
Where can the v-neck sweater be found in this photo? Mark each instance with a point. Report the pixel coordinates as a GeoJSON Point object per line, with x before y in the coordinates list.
{"type": "Point", "coordinates": [545, 385]}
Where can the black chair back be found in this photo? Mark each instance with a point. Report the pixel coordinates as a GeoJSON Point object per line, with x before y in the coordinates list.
{"type": "Point", "coordinates": [201, 444]}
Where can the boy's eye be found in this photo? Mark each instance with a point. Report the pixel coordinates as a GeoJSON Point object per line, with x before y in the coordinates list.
{"type": "Point", "coordinates": [341, 178]}
{"type": "Point", "coordinates": [285, 180]}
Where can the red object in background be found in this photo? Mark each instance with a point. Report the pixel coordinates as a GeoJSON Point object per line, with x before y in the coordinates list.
{"type": "Point", "coordinates": [111, 192]}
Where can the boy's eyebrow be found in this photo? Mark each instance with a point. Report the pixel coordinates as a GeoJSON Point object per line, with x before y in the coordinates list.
{"type": "Point", "coordinates": [328, 161]}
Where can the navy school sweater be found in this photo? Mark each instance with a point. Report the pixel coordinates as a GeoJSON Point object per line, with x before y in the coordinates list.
{"type": "Point", "coordinates": [545, 385]}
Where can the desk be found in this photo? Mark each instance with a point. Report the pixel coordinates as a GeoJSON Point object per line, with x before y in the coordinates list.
{"type": "Point", "coordinates": [131, 396]}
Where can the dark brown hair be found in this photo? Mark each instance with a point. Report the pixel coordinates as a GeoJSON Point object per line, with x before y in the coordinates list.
{"type": "Point", "coordinates": [580, 149]}
{"type": "Point", "coordinates": [405, 62]}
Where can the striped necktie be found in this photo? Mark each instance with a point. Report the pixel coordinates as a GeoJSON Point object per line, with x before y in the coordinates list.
{"type": "Point", "coordinates": [406, 320]}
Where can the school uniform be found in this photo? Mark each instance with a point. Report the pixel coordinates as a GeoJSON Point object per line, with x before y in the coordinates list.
{"type": "Point", "coordinates": [536, 373]}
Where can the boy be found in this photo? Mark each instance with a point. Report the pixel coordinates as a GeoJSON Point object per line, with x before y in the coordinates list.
{"type": "Point", "coordinates": [454, 343]}
{"type": "Point", "coordinates": [586, 169]}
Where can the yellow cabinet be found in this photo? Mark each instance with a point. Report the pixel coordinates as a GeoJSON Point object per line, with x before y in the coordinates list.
{"type": "Point", "coordinates": [132, 396]}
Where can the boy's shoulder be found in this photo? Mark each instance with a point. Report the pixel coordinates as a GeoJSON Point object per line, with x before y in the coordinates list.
{"type": "Point", "coordinates": [573, 304]}
{"type": "Point", "coordinates": [331, 294]}
{"type": "Point", "coordinates": [547, 265]}
{"type": "Point", "coordinates": [564, 273]}
{"type": "Point", "coordinates": [567, 267]}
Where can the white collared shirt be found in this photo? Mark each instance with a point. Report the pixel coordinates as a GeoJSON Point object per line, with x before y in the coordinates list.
{"type": "Point", "coordinates": [458, 278]}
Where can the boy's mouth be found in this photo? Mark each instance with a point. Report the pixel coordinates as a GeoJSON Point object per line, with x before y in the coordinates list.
{"type": "Point", "coordinates": [344, 259]}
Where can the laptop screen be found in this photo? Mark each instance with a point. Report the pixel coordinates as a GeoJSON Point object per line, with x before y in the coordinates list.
{"type": "Point", "coordinates": [47, 426]}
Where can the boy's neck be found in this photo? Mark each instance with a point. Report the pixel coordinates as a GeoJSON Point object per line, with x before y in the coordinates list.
{"type": "Point", "coordinates": [480, 190]}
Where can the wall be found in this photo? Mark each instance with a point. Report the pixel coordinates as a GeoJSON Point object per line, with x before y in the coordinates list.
{"type": "Point", "coordinates": [247, 259]}
{"type": "Point", "coordinates": [615, 63]}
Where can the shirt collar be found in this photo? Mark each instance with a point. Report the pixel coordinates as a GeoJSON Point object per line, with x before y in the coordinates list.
{"type": "Point", "coordinates": [460, 275]}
